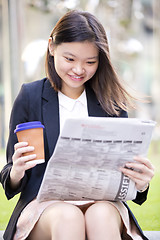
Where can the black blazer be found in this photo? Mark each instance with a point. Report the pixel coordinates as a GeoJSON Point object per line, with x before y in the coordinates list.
{"type": "Point", "coordinates": [37, 101]}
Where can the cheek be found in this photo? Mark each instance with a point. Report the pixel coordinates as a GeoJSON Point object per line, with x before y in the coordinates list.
{"type": "Point", "coordinates": [91, 72]}
{"type": "Point", "coordinates": [60, 67]}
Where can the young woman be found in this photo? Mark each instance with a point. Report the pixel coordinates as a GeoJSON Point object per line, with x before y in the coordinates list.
{"type": "Point", "coordinates": [80, 81]}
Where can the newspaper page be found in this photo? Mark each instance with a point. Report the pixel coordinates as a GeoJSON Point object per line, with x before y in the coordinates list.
{"type": "Point", "coordinates": [88, 154]}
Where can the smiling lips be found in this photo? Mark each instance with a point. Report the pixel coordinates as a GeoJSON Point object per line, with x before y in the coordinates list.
{"type": "Point", "coordinates": [76, 78]}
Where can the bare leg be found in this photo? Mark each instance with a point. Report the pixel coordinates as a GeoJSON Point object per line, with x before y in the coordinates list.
{"type": "Point", "coordinates": [60, 221]}
{"type": "Point", "coordinates": [103, 222]}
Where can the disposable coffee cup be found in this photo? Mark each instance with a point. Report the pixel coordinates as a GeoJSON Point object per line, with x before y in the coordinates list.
{"type": "Point", "coordinates": [32, 132]}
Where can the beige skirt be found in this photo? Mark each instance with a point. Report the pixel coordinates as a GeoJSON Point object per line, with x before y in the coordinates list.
{"type": "Point", "coordinates": [34, 209]}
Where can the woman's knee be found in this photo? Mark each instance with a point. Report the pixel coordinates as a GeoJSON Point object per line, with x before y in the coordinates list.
{"type": "Point", "coordinates": [103, 220]}
{"type": "Point", "coordinates": [65, 211]}
{"type": "Point", "coordinates": [57, 217]}
{"type": "Point", "coordinates": [101, 208]}
{"type": "Point", "coordinates": [103, 211]}
{"type": "Point", "coordinates": [67, 220]}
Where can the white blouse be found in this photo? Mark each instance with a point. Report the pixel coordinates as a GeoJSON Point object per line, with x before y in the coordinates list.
{"type": "Point", "coordinates": [72, 108]}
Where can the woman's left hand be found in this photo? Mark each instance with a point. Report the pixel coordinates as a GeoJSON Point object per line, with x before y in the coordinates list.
{"type": "Point", "coordinates": [141, 171]}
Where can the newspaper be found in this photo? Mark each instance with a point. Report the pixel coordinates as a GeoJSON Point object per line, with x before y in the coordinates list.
{"type": "Point", "coordinates": [88, 154]}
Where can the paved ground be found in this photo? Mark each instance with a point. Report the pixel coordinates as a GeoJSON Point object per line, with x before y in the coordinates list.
{"type": "Point", "coordinates": [1, 234]}
{"type": "Point", "coordinates": [151, 235]}
{"type": "Point", "coordinates": [155, 235]}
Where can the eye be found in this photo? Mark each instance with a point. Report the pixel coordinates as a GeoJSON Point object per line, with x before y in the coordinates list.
{"type": "Point", "coordinates": [69, 59]}
{"type": "Point", "coordinates": [91, 62]}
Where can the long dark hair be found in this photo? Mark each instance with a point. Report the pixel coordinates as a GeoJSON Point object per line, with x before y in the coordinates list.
{"type": "Point", "coordinates": [79, 26]}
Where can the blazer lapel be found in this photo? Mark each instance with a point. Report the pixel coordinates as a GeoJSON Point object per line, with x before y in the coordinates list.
{"type": "Point", "coordinates": [50, 112]}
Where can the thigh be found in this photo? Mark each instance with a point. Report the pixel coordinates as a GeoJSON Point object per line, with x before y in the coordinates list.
{"type": "Point", "coordinates": [52, 218]}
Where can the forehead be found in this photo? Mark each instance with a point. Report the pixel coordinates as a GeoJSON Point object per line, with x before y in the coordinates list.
{"type": "Point", "coordinates": [77, 49]}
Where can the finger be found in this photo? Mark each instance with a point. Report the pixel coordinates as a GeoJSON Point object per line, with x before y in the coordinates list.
{"type": "Point", "coordinates": [130, 173]}
{"type": "Point", "coordinates": [18, 153]}
{"type": "Point", "coordinates": [30, 164]}
{"type": "Point", "coordinates": [20, 144]}
{"type": "Point", "coordinates": [139, 183]}
{"type": "Point", "coordinates": [27, 158]}
{"type": "Point", "coordinates": [144, 160]}
{"type": "Point", "coordinates": [142, 169]}
{"type": "Point", "coordinates": [137, 167]}
{"type": "Point", "coordinates": [21, 165]}
{"type": "Point", "coordinates": [137, 176]}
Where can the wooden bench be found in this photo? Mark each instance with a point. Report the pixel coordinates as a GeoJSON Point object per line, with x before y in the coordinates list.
{"type": "Point", "coordinates": [152, 235]}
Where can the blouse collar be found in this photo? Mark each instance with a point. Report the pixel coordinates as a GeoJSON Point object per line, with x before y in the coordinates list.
{"type": "Point", "coordinates": [69, 103]}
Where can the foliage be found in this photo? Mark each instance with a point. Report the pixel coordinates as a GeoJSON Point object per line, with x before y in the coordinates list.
{"type": "Point", "coordinates": [6, 208]}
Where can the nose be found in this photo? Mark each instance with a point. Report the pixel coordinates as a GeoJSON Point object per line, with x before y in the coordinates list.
{"type": "Point", "coordinates": [78, 69]}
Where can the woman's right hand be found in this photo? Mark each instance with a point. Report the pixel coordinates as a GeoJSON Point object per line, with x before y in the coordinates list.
{"type": "Point", "coordinates": [21, 163]}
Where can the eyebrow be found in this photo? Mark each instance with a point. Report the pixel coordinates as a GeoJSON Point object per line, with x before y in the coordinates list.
{"type": "Point", "coordinates": [94, 57]}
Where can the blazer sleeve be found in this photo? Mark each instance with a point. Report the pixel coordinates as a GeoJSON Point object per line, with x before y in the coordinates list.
{"type": "Point", "coordinates": [141, 197]}
{"type": "Point", "coordinates": [19, 114]}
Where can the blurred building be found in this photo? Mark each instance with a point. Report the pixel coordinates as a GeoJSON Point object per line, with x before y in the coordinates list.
{"type": "Point", "coordinates": [133, 29]}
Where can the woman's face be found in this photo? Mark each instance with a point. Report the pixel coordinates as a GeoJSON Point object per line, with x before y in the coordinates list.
{"type": "Point", "coordinates": [75, 63]}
